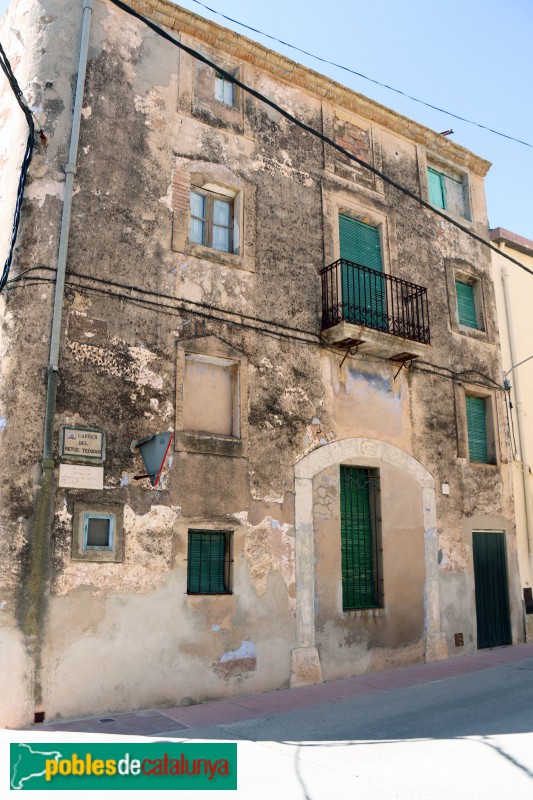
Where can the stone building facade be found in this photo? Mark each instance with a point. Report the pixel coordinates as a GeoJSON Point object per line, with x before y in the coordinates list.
{"type": "Point", "coordinates": [317, 510]}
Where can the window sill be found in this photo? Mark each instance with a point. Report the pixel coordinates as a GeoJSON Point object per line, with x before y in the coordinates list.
{"type": "Point", "coordinates": [474, 333]}
{"type": "Point", "coordinates": [365, 612]}
{"type": "Point", "coordinates": [210, 443]}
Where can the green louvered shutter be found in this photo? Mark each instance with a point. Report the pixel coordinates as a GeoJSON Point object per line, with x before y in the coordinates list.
{"type": "Point", "coordinates": [358, 543]}
{"type": "Point", "coordinates": [437, 190]}
{"type": "Point", "coordinates": [466, 306]}
{"type": "Point", "coordinates": [476, 421]}
{"type": "Point", "coordinates": [205, 563]}
{"type": "Point", "coordinates": [363, 293]}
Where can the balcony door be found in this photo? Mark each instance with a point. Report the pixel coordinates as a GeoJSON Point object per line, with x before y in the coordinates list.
{"type": "Point", "coordinates": [364, 300]}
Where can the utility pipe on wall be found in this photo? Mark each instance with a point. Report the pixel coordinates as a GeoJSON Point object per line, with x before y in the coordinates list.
{"type": "Point", "coordinates": [33, 591]}
{"type": "Point", "coordinates": [522, 438]}
{"type": "Point", "coordinates": [70, 171]}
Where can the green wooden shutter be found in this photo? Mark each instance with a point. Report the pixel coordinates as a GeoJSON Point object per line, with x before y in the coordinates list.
{"type": "Point", "coordinates": [437, 190]}
{"type": "Point", "coordinates": [205, 563]}
{"type": "Point", "coordinates": [466, 306]}
{"type": "Point", "coordinates": [359, 243]}
{"type": "Point", "coordinates": [359, 579]}
{"type": "Point", "coordinates": [363, 293]}
{"type": "Point", "coordinates": [476, 421]}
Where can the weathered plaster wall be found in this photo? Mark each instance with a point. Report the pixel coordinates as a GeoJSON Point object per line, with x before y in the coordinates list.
{"type": "Point", "coordinates": [147, 135]}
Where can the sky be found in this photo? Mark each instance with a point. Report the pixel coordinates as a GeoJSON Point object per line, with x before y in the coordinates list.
{"type": "Point", "coordinates": [470, 57]}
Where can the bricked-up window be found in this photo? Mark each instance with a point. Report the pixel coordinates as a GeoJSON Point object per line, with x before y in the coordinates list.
{"type": "Point", "coordinates": [209, 562]}
{"type": "Point", "coordinates": [223, 90]}
{"type": "Point", "coordinates": [211, 220]}
{"type": "Point", "coordinates": [211, 396]}
{"type": "Point", "coordinates": [360, 555]}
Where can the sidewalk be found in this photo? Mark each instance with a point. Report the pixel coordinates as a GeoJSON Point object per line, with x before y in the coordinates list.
{"type": "Point", "coordinates": [175, 721]}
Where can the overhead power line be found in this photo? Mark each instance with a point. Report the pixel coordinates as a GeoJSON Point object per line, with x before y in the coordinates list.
{"type": "Point", "coordinates": [309, 129]}
{"type": "Point", "coordinates": [361, 75]}
{"type": "Point", "coordinates": [17, 91]}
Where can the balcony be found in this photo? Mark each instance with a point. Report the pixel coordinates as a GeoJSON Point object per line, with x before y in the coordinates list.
{"type": "Point", "coordinates": [376, 312]}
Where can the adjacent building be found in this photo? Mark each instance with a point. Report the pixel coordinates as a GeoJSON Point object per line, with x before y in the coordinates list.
{"type": "Point", "coordinates": [513, 287]}
{"type": "Point", "coordinates": [306, 357]}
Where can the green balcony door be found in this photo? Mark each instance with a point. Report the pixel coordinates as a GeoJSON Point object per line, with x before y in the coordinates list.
{"type": "Point", "coordinates": [492, 591]}
{"type": "Point", "coordinates": [363, 293]}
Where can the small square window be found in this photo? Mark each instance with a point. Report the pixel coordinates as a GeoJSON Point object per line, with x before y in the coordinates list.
{"type": "Point", "coordinates": [98, 530]}
{"type": "Point", "coordinates": [209, 562]}
{"type": "Point", "coordinates": [224, 90]}
{"type": "Point", "coordinates": [211, 221]}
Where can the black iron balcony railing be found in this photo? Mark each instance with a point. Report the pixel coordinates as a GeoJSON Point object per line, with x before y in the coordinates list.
{"type": "Point", "coordinates": [364, 296]}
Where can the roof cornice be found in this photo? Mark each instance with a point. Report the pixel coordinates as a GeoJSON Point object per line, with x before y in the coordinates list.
{"type": "Point", "coordinates": [512, 240]}
{"type": "Point", "coordinates": [234, 44]}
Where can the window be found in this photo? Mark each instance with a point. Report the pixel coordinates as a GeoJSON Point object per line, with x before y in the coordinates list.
{"type": "Point", "coordinates": [211, 221]}
{"type": "Point", "coordinates": [209, 562]}
{"type": "Point", "coordinates": [476, 423]}
{"type": "Point", "coordinates": [466, 304]}
{"type": "Point", "coordinates": [448, 191]}
{"type": "Point", "coordinates": [223, 90]}
{"type": "Point", "coordinates": [98, 531]}
{"type": "Point", "coordinates": [360, 555]}
{"type": "Point", "coordinates": [363, 292]}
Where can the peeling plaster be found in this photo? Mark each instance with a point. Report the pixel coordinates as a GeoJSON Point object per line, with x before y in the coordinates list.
{"type": "Point", "coordinates": [147, 556]}
{"type": "Point", "coordinates": [246, 650]}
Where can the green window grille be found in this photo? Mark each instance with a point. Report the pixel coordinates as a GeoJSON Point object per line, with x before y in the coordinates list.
{"type": "Point", "coordinates": [476, 422]}
{"type": "Point", "coordinates": [437, 189]}
{"type": "Point", "coordinates": [359, 540]}
{"type": "Point", "coordinates": [363, 292]}
{"type": "Point", "coordinates": [208, 562]}
{"type": "Point", "coordinates": [466, 304]}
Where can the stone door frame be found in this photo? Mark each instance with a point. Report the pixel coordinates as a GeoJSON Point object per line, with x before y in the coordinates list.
{"type": "Point", "coordinates": [305, 659]}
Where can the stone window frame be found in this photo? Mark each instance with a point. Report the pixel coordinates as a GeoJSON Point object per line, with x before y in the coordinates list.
{"type": "Point", "coordinates": [491, 415]}
{"type": "Point", "coordinates": [457, 270]}
{"type": "Point", "coordinates": [342, 202]}
{"type": "Point", "coordinates": [82, 509]}
{"type": "Point", "coordinates": [215, 179]}
{"type": "Point", "coordinates": [452, 171]}
{"type": "Point", "coordinates": [206, 348]}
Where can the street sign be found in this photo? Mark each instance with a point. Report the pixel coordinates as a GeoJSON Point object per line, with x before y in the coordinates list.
{"type": "Point", "coordinates": [83, 443]}
{"type": "Point", "coordinates": [154, 451]}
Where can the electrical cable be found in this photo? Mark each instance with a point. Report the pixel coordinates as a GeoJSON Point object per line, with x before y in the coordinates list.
{"type": "Point", "coordinates": [309, 129]}
{"type": "Point", "coordinates": [436, 370]}
{"type": "Point", "coordinates": [7, 70]}
{"type": "Point", "coordinates": [361, 75]}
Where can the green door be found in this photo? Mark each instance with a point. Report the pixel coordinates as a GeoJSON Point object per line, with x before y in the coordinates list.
{"type": "Point", "coordinates": [363, 292]}
{"type": "Point", "coordinates": [492, 591]}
